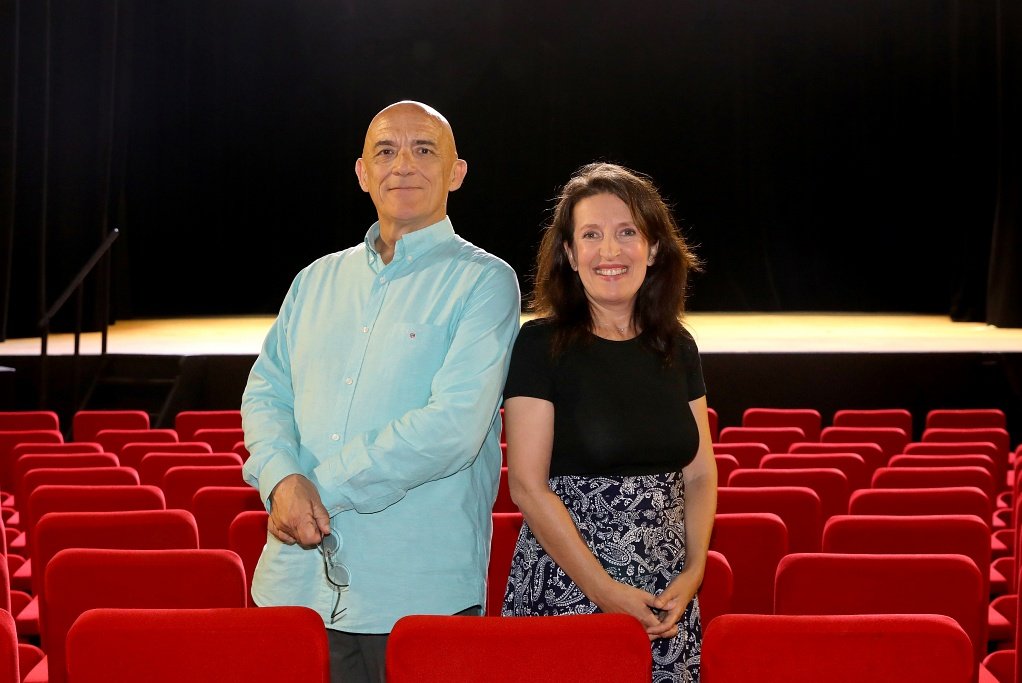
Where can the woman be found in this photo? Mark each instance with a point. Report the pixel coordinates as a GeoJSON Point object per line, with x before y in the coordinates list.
{"type": "Point", "coordinates": [609, 451]}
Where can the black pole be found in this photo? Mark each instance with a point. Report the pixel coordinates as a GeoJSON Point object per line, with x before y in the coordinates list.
{"type": "Point", "coordinates": [13, 161]}
{"type": "Point", "coordinates": [43, 218]}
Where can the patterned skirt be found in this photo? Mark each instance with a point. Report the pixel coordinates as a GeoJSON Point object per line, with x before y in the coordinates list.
{"type": "Point", "coordinates": [636, 528]}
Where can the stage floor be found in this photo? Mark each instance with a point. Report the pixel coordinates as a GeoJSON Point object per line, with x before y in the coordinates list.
{"type": "Point", "coordinates": [714, 332]}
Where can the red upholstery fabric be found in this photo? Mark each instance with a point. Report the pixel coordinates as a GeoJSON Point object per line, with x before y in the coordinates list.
{"type": "Point", "coordinates": [240, 449]}
{"type": "Point", "coordinates": [717, 588]}
{"type": "Point", "coordinates": [215, 508]}
{"type": "Point", "coordinates": [935, 477]}
{"type": "Point", "coordinates": [10, 439]}
{"type": "Point", "coordinates": [776, 439]}
{"type": "Point", "coordinates": [753, 543]}
{"type": "Point", "coordinates": [714, 419]}
{"type": "Point", "coordinates": [998, 437]}
{"type": "Point", "coordinates": [566, 649]}
{"type": "Point", "coordinates": [86, 424]}
{"type": "Point", "coordinates": [726, 464]}
{"type": "Point", "coordinates": [945, 460]}
{"type": "Point", "coordinates": [220, 440]}
{"type": "Point", "coordinates": [246, 538]}
{"type": "Point", "coordinates": [827, 583]}
{"type": "Point", "coordinates": [98, 498]}
{"type": "Point", "coordinates": [806, 419]}
{"type": "Point", "coordinates": [187, 422]}
{"type": "Point", "coordinates": [963, 448]}
{"type": "Point", "coordinates": [747, 648]}
{"type": "Point", "coordinates": [80, 579]}
{"type": "Point", "coordinates": [870, 452]}
{"type": "Point", "coordinates": [959, 500]}
{"type": "Point", "coordinates": [132, 453]}
{"type": "Point", "coordinates": [199, 646]}
{"type": "Point", "coordinates": [115, 439]}
{"type": "Point", "coordinates": [851, 464]}
{"type": "Point", "coordinates": [884, 417]}
{"type": "Point", "coordinates": [20, 420]}
{"type": "Point", "coordinates": [155, 465]}
{"type": "Point", "coordinates": [506, 526]}
{"type": "Point", "coordinates": [968, 418]}
{"type": "Point", "coordinates": [56, 447]}
{"type": "Point", "coordinates": [798, 507]}
{"type": "Point", "coordinates": [8, 649]}
{"type": "Point", "coordinates": [747, 454]}
{"type": "Point", "coordinates": [503, 502]}
{"type": "Point", "coordinates": [831, 485]}
{"type": "Point", "coordinates": [180, 483]}
{"type": "Point", "coordinates": [890, 439]}
{"type": "Point", "coordinates": [32, 461]}
{"type": "Point", "coordinates": [75, 476]}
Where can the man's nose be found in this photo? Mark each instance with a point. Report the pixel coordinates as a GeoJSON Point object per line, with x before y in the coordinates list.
{"type": "Point", "coordinates": [404, 162]}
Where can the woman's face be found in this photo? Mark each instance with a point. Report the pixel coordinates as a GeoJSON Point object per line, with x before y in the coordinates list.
{"type": "Point", "coordinates": [609, 253]}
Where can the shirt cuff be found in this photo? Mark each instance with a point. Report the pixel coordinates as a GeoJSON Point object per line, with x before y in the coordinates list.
{"type": "Point", "coordinates": [272, 473]}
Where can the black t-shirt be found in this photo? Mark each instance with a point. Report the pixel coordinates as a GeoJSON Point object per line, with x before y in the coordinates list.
{"type": "Point", "coordinates": [617, 409]}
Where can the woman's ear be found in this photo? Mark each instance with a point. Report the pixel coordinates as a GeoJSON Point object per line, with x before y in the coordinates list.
{"type": "Point", "coordinates": [652, 254]}
{"type": "Point", "coordinates": [571, 256]}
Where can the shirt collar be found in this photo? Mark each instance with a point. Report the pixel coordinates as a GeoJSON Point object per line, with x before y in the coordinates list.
{"type": "Point", "coordinates": [413, 244]}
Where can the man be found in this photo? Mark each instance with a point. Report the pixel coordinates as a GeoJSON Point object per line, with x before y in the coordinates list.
{"type": "Point", "coordinates": [371, 413]}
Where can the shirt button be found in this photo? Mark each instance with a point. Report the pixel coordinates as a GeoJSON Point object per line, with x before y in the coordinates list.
{"type": "Point", "coordinates": [347, 380]}
{"type": "Point", "coordinates": [410, 259]}
{"type": "Point", "coordinates": [364, 329]}
{"type": "Point", "coordinates": [383, 279]}
{"type": "Point", "coordinates": [335, 437]}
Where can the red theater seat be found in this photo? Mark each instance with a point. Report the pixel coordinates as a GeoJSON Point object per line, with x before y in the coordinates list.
{"type": "Point", "coordinates": [155, 465]}
{"type": "Point", "coordinates": [20, 420]}
{"type": "Point", "coordinates": [831, 485]}
{"type": "Point", "coordinates": [187, 422]}
{"type": "Point", "coordinates": [851, 464]}
{"type": "Point", "coordinates": [87, 424]}
{"type": "Point", "coordinates": [717, 588]}
{"type": "Point", "coordinates": [797, 506]}
{"type": "Point", "coordinates": [215, 508]}
{"type": "Point", "coordinates": [753, 543]}
{"type": "Point", "coordinates": [132, 454]}
{"type": "Point", "coordinates": [747, 454]}
{"type": "Point", "coordinates": [891, 440]}
{"type": "Point", "coordinates": [776, 439]}
{"type": "Point", "coordinates": [506, 526]}
{"type": "Point", "coordinates": [246, 538]}
{"type": "Point", "coordinates": [883, 417]}
{"type": "Point", "coordinates": [967, 418]}
{"type": "Point", "coordinates": [870, 452]}
{"type": "Point", "coordinates": [806, 419]}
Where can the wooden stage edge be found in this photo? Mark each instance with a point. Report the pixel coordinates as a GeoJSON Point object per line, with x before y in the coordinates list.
{"type": "Point", "coordinates": [714, 332]}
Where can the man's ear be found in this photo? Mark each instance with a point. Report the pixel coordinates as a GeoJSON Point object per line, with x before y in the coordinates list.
{"type": "Point", "coordinates": [458, 174]}
{"type": "Point", "coordinates": [360, 172]}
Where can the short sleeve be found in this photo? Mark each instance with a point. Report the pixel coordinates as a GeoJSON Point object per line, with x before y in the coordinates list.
{"type": "Point", "coordinates": [693, 367]}
{"type": "Point", "coordinates": [530, 372]}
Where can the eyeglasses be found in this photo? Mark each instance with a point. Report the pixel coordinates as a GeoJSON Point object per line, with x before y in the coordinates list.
{"type": "Point", "coordinates": [337, 574]}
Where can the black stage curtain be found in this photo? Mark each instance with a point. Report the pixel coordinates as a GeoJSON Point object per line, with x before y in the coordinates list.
{"type": "Point", "coordinates": [834, 156]}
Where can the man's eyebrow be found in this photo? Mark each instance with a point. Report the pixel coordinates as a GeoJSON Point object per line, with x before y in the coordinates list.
{"type": "Point", "coordinates": [384, 143]}
{"type": "Point", "coordinates": [431, 143]}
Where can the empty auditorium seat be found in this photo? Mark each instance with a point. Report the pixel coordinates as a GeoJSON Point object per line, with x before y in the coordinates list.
{"type": "Point", "coordinates": [797, 506]}
{"type": "Point", "coordinates": [86, 424]}
{"type": "Point", "coordinates": [747, 454]}
{"type": "Point", "coordinates": [187, 422]}
{"type": "Point", "coordinates": [215, 508]}
{"type": "Point", "coordinates": [131, 454]}
{"type": "Point", "coordinates": [806, 419]}
{"type": "Point", "coordinates": [423, 649]}
{"type": "Point", "coordinates": [180, 483]}
{"type": "Point", "coordinates": [20, 420]}
{"type": "Point", "coordinates": [751, 648]}
{"type": "Point", "coordinates": [10, 439]}
{"type": "Point", "coordinates": [956, 500]}
{"type": "Point", "coordinates": [506, 526]}
{"type": "Point", "coordinates": [871, 453]}
{"type": "Point", "coordinates": [220, 440]}
{"type": "Point", "coordinates": [717, 588]}
{"type": "Point", "coordinates": [882, 417]}
{"type": "Point", "coordinates": [968, 418]}
{"type": "Point", "coordinates": [934, 477]}
{"type": "Point", "coordinates": [246, 538]}
{"type": "Point", "coordinates": [712, 417]}
{"type": "Point", "coordinates": [503, 502]}
{"type": "Point", "coordinates": [753, 543]}
{"type": "Point", "coordinates": [155, 465]}
{"type": "Point", "coordinates": [891, 440]}
{"type": "Point", "coordinates": [115, 439]}
{"type": "Point", "coordinates": [726, 464]}
{"type": "Point", "coordinates": [776, 439]}
{"type": "Point", "coordinates": [831, 485]}
{"type": "Point", "coordinates": [16, 659]}
{"type": "Point", "coordinates": [907, 460]}
{"type": "Point", "coordinates": [31, 461]}
{"type": "Point", "coordinates": [121, 645]}
{"type": "Point", "coordinates": [851, 464]}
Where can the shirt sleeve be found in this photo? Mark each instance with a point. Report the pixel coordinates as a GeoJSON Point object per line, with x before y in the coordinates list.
{"type": "Point", "coordinates": [377, 468]}
{"type": "Point", "coordinates": [530, 373]}
{"type": "Point", "coordinates": [267, 408]}
{"type": "Point", "coordinates": [693, 367]}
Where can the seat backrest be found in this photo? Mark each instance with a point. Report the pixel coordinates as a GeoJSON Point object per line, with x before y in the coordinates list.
{"type": "Point", "coordinates": [155, 465]}
{"type": "Point", "coordinates": [31, 461]}
{"type": "Point", "coordinates": [187, 422]}
{"type": "Point", "coordinates": [10, 439]}
{"type": "Point", "coordinates": [717, 588]}
{"type": "Point", "coordinates": [132, 453]}
{"type": "Point", "coordinates": [96, 498]}
{"type": "Point", "coordinates": [798, 507]}
{"type": "Point", "coordinates": [831, 485]}
{"type": "Point", "coordinates": [726, 464]}
{"type": "Point", "coordinates": [215, 508]}
{"type": "Point", "coordinates": [834, 583]}
{"type": "Point", "coordinates": [115, 439]}
{"type": "Point", "coordinates": [121, 645]}
{"type": "Point", "coordinates": [246, 538]}
{"type": "Point", "coordinates": [975, 460]}
{"type": "Point", "coordinates": [776, 439]}
{"type": "Point", "coordinates": [870, 452]}
{"type": "Point", "coordinates": [124, 529]}
{"type": "Point", "coordinates": [220, 440]}
{"type": "Point", "coordinates": [747, 454]}
{"type": "Point", "coordinates": [86, 424]}
{"type": "Point", "coordinates": [76, 476]}
{"type": "Point", "coordinates": [8, 648]}
{"type": "Point", "coordinates": [753, 543]}
{"type": "Point", "coordinates": [712, 417]}
{"type": "Point", "coordinates": [180, 483]}
{"type": "Point", "coordinates": [19, 420]}
{"type": "Point", "coordinates": [998, 437]}
{"type": "Point", "coordinates": [956, 500]}
{"type": "Point", "coordinates": [882, 417]}
{"type": "Point", "coordinates": [909, 648]}
{"type": "Point", "coordinates": [852, 464]}
{"type": "Point", "coordinates": [80, 579]}
{"type": "Point", "coordinates": [806, 419]}
{"type": "Point", "coordinates": [890, 439]}
{"type": "Point", "coordinates": [503, 501]}
{"type": "Point", "coordinates": [422, 649]}
{"type": "Point", "coordinates": [968, 418]}
{"type": "Point", "coordinates": [63, 447]}
{"type": "Point", "coordinates": [901, 534]}
{"type": "Point", "coordinates": [506, 527]}
{"type": "Point", "coordinates": [933, 477]}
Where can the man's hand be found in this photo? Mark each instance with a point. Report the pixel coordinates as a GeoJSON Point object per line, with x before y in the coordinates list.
{"type": "Point", "coordinates": [297, 514]}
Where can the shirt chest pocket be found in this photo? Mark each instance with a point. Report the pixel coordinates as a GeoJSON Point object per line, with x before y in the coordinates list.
{"type": "Point", "coordinates": [409, 354]}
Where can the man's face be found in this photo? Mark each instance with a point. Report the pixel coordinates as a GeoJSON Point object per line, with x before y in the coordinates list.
{"type": "Point", "coordinates": [408, 165]}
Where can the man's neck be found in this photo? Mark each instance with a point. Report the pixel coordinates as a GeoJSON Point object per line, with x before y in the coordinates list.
{"type": "Point", "coordinates": [391, 232]}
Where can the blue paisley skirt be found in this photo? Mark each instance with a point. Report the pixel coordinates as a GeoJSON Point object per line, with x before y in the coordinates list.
{"type": "Point", "coordinates": [635, 526]}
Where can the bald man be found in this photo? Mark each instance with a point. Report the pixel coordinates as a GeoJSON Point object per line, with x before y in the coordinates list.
{"type": "Point", "coordinates": [371, 413]}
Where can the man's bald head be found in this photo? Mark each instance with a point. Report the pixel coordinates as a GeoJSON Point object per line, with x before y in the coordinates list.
{"type": "Point", "coordinates": [413, 106]}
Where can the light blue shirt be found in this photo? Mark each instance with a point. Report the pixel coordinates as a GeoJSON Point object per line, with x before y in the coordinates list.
{"type": "Point", "coordinates": [381, 384]}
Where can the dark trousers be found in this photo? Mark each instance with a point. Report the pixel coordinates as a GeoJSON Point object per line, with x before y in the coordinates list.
{"type": "Point", "coordinates": [362, 657]}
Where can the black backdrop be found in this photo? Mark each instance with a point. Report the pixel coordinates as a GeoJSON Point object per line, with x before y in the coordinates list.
{"type": "Point", "coordinates": [827, 156]}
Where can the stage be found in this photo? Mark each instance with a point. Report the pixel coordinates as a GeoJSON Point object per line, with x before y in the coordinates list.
{"type": "Point", "coordinates": [823, 361]}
